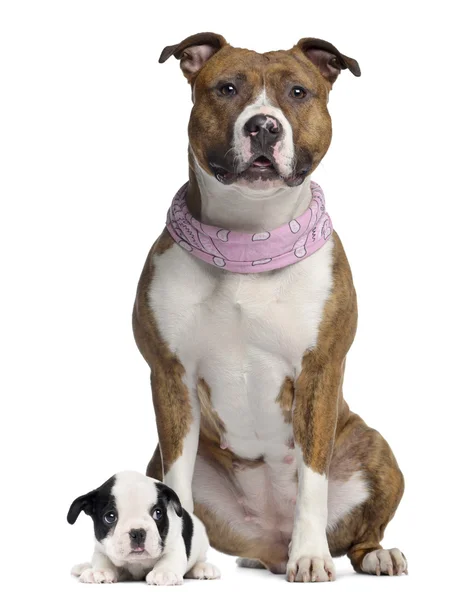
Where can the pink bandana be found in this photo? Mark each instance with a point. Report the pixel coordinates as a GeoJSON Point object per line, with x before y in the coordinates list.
{"type": "Point", "coordinates": [241, 252]}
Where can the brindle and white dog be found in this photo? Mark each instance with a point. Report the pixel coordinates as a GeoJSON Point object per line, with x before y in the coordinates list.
{"type": "Point", "coordinates": [247, 368]}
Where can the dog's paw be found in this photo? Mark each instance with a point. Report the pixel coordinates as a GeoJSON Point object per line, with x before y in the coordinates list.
{"type": "Point", "coordinates": [98, 576]}
{"type": "Point", "coordinates": [203, 570]}
{"type": "Point", "coordinates": [77, 570]}
{"type": "Point", "coordinates": [158, 577]}
{"type": "Point", "coordinates": [311, 568]}
{"type": "Point", "coordinates": [385, 562]}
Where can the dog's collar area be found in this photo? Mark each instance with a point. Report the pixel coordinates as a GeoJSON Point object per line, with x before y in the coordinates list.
{"type": "Point", "coordinates": [242, 252]}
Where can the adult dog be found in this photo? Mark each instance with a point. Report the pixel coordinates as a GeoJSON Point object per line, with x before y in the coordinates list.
{"type": "Point", "coordinates": [246, 329]}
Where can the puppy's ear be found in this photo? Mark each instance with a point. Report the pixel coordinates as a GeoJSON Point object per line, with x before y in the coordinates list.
{"type": "Point", "coordinates": [327, 58]}
{"type": "Point", "coordinates": [82, 503]}
{"type": "Point", "coordinates": [170, 497]}
{"type": "Point", "coordinates": [194, 52]}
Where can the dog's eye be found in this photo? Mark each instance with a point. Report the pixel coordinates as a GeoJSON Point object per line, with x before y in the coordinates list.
{"type": "Point", "coordinates": [298, 92]}
{"type": "Point", "coordinates": [157, 514]}
{"type": "Point", "coordinates": [110, 517]}
{"type": "Point", "coordinates": [228, 89]}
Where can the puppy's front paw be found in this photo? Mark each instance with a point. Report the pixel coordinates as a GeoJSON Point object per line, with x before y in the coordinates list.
{"type": "Point", "coordinates": [311, 568]}
{"type": "Point", "coordinates": [98, 576]}
{"type": "Point", "coordinates": [163, 577]}
{"type": "Point", "coordinates": [203, 570]}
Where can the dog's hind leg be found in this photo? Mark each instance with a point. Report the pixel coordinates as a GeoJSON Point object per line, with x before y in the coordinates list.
{"type": "Point", "coordinates": [362, 456]}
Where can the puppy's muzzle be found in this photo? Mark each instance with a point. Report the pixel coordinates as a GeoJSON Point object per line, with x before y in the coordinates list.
{"type": "Point", "coordinates": [137, 539]}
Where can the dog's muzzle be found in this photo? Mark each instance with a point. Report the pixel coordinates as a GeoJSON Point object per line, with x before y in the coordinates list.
{"type": "Point", "coordinates": [137, 539]}
{"type": "Point", "coordinates": [264, 132]}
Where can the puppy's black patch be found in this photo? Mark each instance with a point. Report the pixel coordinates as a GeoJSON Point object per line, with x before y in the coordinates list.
{"type": "Point", "coordinates": [187, 531]}
{"type": "Point", "coordinates": [166, 496]}
{"type": "Point", "coordinates": [170, 497]}
{"type": "Point", "coordinates": [96, 504]}
{"type": "Point", "coordinates": [163, 523]}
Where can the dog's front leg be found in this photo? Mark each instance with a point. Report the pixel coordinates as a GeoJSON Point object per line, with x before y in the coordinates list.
{"type": "Point", "coordinates": [170, 569]}
{"type": "Point", "coordinates": [314, 424]}
{"type": "Point", "coordinates": [174, 393]}
{"type": "Point", "coordinates": [102, 570]}
{"type": "Point", "coordinates": [178, 425]}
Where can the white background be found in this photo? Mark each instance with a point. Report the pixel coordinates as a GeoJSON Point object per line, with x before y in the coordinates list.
{"type": "Point", "coordinates": [93, 146]}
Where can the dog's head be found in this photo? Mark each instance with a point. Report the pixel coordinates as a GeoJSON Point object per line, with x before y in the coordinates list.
{"type": "Point", "coordinates": [132, 515]}
{"type": "Point", "coordinates": [259, 120]}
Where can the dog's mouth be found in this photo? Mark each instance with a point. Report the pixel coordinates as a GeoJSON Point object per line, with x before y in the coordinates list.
{"type": "Point", "coordinates": [262, 167]}
{"type": "Point", "coordinates": [262, 163]}
{"type": "Point", "coordinates": [138, 553]}
{"type": "Point", "coordinates": [258, 167]}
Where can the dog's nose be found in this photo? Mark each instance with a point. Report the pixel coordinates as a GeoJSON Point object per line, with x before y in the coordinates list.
{"type": "Point", "coordinates": [264, 128]}
{"type": "Point", "coordinates": [138, 537]}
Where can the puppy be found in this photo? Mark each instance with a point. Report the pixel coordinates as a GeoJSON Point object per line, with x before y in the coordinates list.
{"type": "Point", "coordinates": [141, 532]}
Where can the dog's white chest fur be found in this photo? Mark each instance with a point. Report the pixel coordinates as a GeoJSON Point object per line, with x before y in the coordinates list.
{"type": "Point", "coordinates": [242, 334]}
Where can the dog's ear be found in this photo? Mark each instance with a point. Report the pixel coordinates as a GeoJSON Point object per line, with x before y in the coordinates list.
{"type": "Point", "coordinates": [327, 58]}
{"type": "Point", "coordinates": [194, 51]}
{"type": "Point", "coordinates": [82, 503]}
{"type": "Point", "coordinates": [170, 497]}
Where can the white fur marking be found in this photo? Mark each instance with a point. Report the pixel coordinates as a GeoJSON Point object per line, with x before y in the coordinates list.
{"type": "Point", "coordinates": [243, 334]}
{"type": "Point", "coordinates": [343, 496]}
{"type": "Point", "coordinates": [284, 151]}
{"type": "Point", "coordinates": [310, 559]}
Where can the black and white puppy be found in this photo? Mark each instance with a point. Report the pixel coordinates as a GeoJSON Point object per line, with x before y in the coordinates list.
{"type": "Point", "coordinates": [142, 532]}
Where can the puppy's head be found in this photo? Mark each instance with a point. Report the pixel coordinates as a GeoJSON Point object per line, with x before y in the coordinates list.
{"type": "Point", "coordinates": [132, 515]}
{"type": "Point", "coordinates": [259, 120]}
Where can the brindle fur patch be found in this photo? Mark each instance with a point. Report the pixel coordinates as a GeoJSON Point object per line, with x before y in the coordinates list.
{"type": "Point", "coordinates": [211, 426]}
{"type": "Point", "coordinates": [285, 399]}
{"type": "Point", "coordinates": [224, 460]}
{"type": "Point", "coordinates": [212, 432]}
{"type": "Point", "coordinates": [170, 395]}
{"type": "Point", "coordinates": [194, 200]}
{"type": "Point", "coordinates": [318, 389]}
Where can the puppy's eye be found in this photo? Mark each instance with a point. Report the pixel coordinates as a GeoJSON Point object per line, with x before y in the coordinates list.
{"type": "Point", "coordinates": [157, 514]}
{"type": "Point", "coordinates": [110, 517]}
{"type": "Point", "coordinates": [228, 89]}
{"type": "Point", "coordinates": [298, 92]}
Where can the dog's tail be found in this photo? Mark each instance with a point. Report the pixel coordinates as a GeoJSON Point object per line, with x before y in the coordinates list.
{"type": "Point", "coordinates": [77, 570]}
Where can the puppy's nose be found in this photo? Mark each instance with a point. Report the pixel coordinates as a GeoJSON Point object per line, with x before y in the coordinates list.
{"type": "Point", "coordinates": [263, 128]}
{"type": "Point", "coordinates": [138, 537]}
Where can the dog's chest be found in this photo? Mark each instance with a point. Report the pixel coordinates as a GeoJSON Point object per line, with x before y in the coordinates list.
{"type": "Point", "coordinates": [242, 334]}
